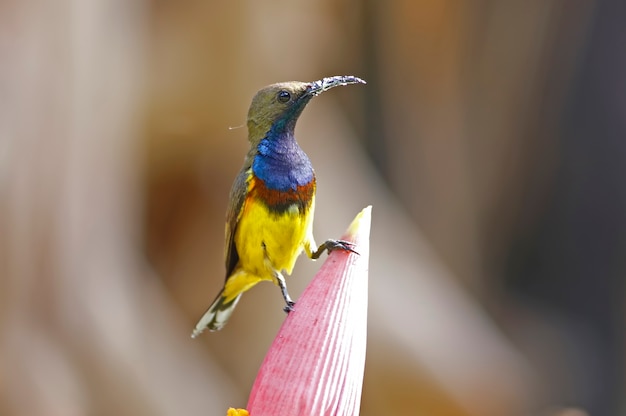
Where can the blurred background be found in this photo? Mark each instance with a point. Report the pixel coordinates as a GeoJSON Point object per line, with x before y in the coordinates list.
{"type": "Point", "coordinates": [490, 139]}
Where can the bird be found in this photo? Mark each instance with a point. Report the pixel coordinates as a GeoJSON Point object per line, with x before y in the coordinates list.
{"type": "Point", "coordinates": [269, 219]}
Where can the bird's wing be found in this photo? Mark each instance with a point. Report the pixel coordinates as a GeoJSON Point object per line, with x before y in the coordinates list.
{"type": "Point", "coordinates": [233, 214]}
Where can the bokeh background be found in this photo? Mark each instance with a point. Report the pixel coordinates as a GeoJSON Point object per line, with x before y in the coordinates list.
{"type": "Point", "coordinates": [490, 139]}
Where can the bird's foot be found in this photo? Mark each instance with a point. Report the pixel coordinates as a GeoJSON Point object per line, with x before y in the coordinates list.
{"type": "Point", "coordinates": [332, 245]}
{"type": "Point", "coordinates": [340, 245]}
{"type": "Point", "coordinates": [289, 307]}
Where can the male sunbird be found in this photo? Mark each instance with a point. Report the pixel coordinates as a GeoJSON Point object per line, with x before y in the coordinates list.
{"type": "Point", "coordinates": [269, 220]}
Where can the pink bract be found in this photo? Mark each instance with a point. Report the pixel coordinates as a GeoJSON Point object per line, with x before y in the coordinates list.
{"type": "Point", "coordinates": [315, 365]}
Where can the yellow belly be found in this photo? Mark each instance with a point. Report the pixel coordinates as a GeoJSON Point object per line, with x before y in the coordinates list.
{"type": "Point", "coordinates": [268, 241]}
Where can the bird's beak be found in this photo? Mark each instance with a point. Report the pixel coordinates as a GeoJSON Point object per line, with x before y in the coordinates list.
{"type": "Point", "coordinates": [317, 87]}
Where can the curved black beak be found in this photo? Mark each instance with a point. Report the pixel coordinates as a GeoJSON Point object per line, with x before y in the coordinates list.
{"type": "Point", "coordinates": [317, 87]}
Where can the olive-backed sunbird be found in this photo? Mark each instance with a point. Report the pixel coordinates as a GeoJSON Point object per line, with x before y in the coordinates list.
{"type": "Point", "coordinates": [269, 220]}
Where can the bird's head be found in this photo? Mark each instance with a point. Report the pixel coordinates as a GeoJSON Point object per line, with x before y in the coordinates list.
{"type": "Point", "coordinates": [278, 106]}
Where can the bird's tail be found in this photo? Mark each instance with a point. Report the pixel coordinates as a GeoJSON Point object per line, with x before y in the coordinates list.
{"type": "Point", "coordinates": [216, 316]}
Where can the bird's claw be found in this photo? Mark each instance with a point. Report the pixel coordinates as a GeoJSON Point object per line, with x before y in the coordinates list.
{"type": "Point", "coordinates": [340, 245]}
{"type": "Point", "coordinates": [289, 307]}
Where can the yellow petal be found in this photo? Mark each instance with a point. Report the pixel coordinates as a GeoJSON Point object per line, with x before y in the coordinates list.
{"type": "Point", "coordinates": [237, 412]}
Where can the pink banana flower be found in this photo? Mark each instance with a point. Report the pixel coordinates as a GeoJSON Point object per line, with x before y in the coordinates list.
{"type": "Point", "coordinates": [316, 362]}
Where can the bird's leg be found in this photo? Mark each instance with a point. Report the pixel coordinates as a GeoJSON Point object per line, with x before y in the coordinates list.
{"type": "Point", "coordinates": [283, 288]}
{"type": "Point", "coordinates": [330, 245]}
{"type": "Point", "coordinates": [280, 281]}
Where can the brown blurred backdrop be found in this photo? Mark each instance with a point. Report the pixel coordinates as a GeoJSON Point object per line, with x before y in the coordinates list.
{"type": "Point", "coordinates": [490, 138]}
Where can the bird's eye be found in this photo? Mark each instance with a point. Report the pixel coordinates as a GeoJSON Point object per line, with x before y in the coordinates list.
{"type": "Point", "coordinates": [284, 96]}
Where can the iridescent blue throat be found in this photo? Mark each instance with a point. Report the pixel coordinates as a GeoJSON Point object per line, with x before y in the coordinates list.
{"type": "Point", "coordinates": [281, 163]}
